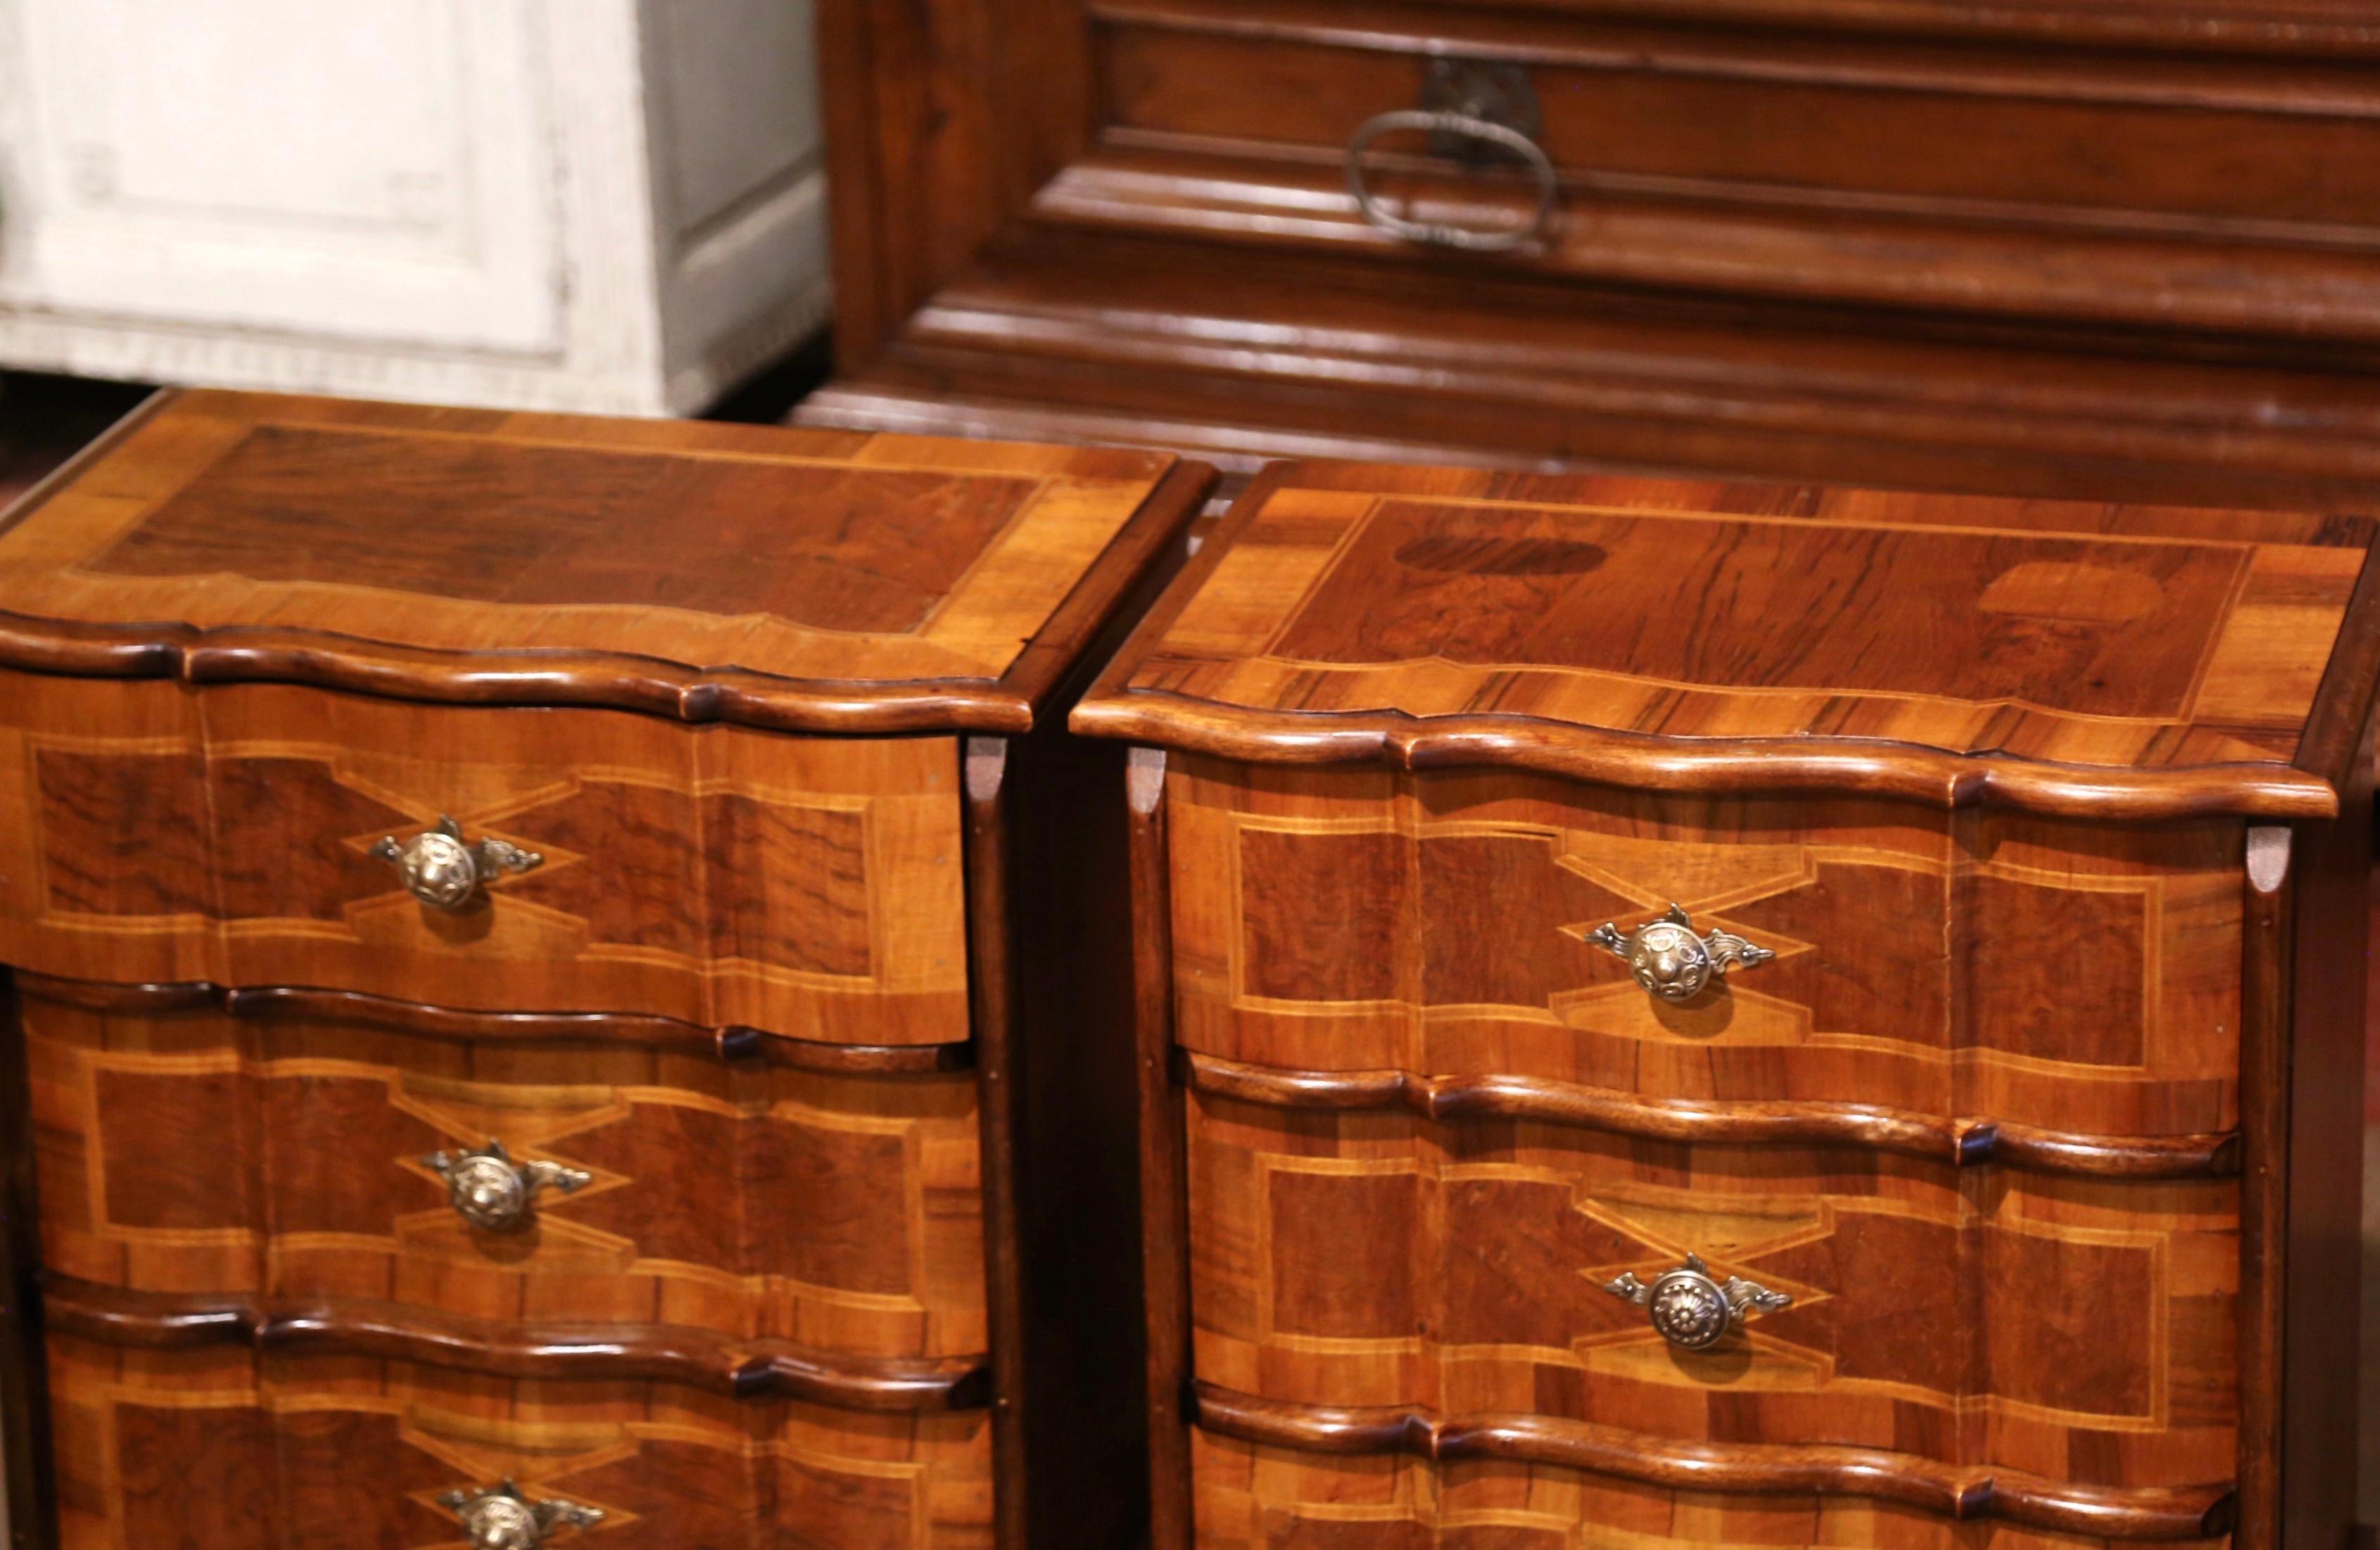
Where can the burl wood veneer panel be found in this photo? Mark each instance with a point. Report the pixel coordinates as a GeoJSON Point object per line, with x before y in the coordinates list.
{"type": "Point", "coordinates": [1251, 1497]}
{"type": "Point", "coordinates": [633, 550]}
{"type": "Point", "coordinates": [150, 831]}
{"type": "Point", "coordinates": [1950, 969]}
{"type": "Point", "coordinates": [2081, 1331]}
{"type": "Point", "coordinates": [1903, 645]}
{"type": "Point", "coordinates": [223, 1450]}
{"type": "Point", "coordinates": [192, 1152]}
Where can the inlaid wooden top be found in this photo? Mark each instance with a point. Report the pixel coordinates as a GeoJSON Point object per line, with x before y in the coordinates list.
{"type": "Point", "coordinates": [807, 579]}
{"type": "Point", "coordinates": [2121, 661]}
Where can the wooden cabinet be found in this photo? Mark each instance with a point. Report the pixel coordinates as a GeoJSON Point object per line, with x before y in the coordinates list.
{"type": "Point", "coordinates": [519, 977]}
{"type": "Point", "coordinates": [623, 212]}
{"type": "Point", "coordinates": [2064, 247]}
{"type": "Point", "coordinates": [1719, 1014]}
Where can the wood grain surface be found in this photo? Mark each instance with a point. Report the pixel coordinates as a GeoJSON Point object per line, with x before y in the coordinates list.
{"type": "Point", "coordinates": [2096, 247]}
{"type": "Point", "coordinates": [2198, 170]}
{"type": "Point", "coordinates": [1963, 1142]}
{"type": "Point", "coordinates": [188, 1151]}
{"type": "Point", "coordinates": [2082, 1332]}
{"type": "Point", "coordinates": [286, 1002]}
{"type": "Point", "coordinates": [221, 1446]}
{"type": "Point", "coordinates": [1399, 1481]}
{"type": "Point", "coordinates": [713, 874]}
{"type": "Point", "coordinates": [798, 580]}
{"type": "Point", "coordinates": [2133, 661]}
{"type": "Point", "coordinates": [515, 1348]}
{"type": "Point", "coordinates": [1969, 966]}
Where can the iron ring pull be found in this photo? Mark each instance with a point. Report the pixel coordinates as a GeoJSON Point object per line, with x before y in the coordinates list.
{"type": "Point", "coordinates": [1443, 121]}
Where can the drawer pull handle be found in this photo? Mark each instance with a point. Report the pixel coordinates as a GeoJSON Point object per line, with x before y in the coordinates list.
{"type": "Point", "coordinates": [501, 1518]}
{"type": "Point", "coordinates": [1671, 962]}
{"type": "Point", "coordinates": [490, 1191]}
{"type": "Point", "coordinates": [441, 870]}
{"type": "Point", "coordinates": [1688, 1308]}
{"type": "Point", "coordinates": [1454, 125]}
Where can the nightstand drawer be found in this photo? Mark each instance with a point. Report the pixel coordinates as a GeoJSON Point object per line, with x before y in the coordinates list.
{"type": "Point", "coordinates": [306, 1145]}
{"type": "Point", "coordinates": [1946, 969]}
{"type": "Point", "coordinates": [1818, 165]}
{"type": "Point", "coordinates": [238, 834]}
{"type": "Point", "coordinates": [1742, 1296]}
{"type": "Point", "coordinates": [353, 1443]}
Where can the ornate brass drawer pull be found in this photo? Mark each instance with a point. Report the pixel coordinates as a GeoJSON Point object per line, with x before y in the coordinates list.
{"type": "Point", "coordinates": [492, 1192]}
{"type": "Point", "coordinates": [501, 1518]}
{"type": "Point", "coordinates": [1692, 1309]}
{"type": "Point", "coordinates": [1671, 962]}
{"type": "Point", "coordinates": [441, 870]}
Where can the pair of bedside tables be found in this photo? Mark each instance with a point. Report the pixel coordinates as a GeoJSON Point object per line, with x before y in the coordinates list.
{"type": "Point", "coordinates": [572, 986]}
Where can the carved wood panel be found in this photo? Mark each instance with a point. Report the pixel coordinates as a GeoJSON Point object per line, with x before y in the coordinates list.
{"type": "Point", "coordinates": [2079, 1331]}
{"type": "Point", "coordinates": [713, 874]}
{"type": "Point", "coordinates": [191, 1152]}
{"type": "Point", "coordinates": [1953, 966]}
{"type": "Point", "coordinates": [225, 1450]}
{"type": "Point", "coordinates": [1252, 1496]}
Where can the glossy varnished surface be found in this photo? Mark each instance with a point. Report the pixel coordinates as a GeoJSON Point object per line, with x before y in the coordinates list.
{"type": "Point", "coordinates": [220, 1446]}
{"type": "Point", "coordinates": [2066, 658]}
{"type": "Point", "coordinates": [1947, 968]}
{"type": "Point", "coordinates": [2031, 1111]}
{"type": "Point", "coordinates": [2085, 247]}
{"type": "Point", "coordinates": [184, 1151]}
{"type": "Point", "coordinates": [1255, 1493]}
{"type": "Point", "coordinates": [763, 986]}
{"type": "Point", "coordinates": [2078, 1335]}
{"type": "Point", "coordinates": [805, 580]}
{"type": "Point", "coordinates": [713, 874]}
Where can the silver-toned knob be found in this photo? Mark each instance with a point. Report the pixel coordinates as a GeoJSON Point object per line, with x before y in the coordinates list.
{"type": "Point", "coordinates": [1691, 1308]}
{"type": "Point", "coordinates": [501, 1518]}
{"type": "Point", "coordinates": [1669, 960]}
{"type": "Point", "coordinates": [492, 1192]}
{"type": "Point", "coordinates": [440, 869]}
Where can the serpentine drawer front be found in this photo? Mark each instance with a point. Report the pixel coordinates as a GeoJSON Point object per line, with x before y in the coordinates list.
{"type": "Point", "coordinates": [1711, 1014]}
{"type": "Point", "coordinates": [519, 970]}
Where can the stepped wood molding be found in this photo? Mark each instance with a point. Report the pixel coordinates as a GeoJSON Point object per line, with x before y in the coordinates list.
{"type": "Point", "coordinates": [2086, 247]}
{"type": "Point", "coordinates": [2154, 1515]}
{"type": "Point", "coordinates": [152, 1321]}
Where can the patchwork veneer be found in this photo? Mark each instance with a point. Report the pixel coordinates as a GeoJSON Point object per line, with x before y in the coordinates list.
{"type": "Point", "coordinates": [519, 971]}
{"type": "Point", "coordinates": [1693, 1013]}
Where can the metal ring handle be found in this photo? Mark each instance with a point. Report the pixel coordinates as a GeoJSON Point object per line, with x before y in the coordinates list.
{"type": "Point", "coordinates": [1445, 122]}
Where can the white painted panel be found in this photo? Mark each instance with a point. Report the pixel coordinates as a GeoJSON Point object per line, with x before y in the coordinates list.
{"type": "Point", "coordinates": [612, 205]}
{"type": "Point", "coordinates": [367, 169]}
{"type": "Point", "coordinates": [735, 133]}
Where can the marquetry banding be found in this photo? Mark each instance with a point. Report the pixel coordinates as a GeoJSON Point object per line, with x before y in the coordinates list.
{"type": "Point", "coordinates": [283, 1001]}
{"type": "Point", "coordinates": [2155, 1513]}
{"type": "Point", "coordinates": [868, 628]}
{"type": "Point", "coordinates": [164, 1321]}
{"type": "Point", "coordinates": [1959, 1142]}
